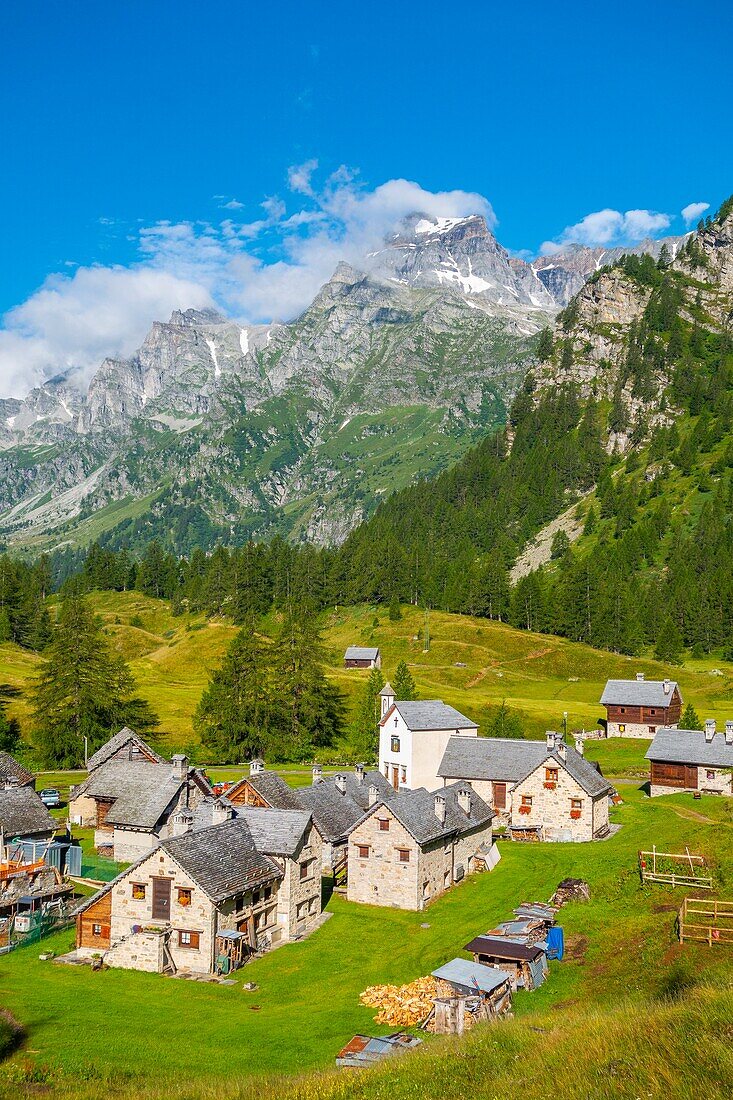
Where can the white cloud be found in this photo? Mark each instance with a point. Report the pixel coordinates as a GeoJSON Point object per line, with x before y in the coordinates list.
{"type": "Point", "coordinates": [693, 211]}
{"type": "Point", "coordinates": [609, 228]}
{"type": "Point", "coordinates": [73, 321]}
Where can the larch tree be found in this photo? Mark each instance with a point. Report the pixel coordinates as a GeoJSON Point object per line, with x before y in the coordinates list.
{"type": "Point", "coordinates": [404, 683]}
{"type": "Point", "coordinates": [84, 691]}
{"type": "Point", "coordinates": [363, 729]}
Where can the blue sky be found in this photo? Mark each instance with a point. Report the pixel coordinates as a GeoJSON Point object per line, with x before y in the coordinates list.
{"type": "Point", "coordinates": [140, 140]}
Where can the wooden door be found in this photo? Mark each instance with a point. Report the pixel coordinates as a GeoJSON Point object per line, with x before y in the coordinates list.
{"type": "Point", "coordinates": [499, 796]}
{"type": "Point", "coordinates": [161, 898]}
{"type": "Point", "coordinates": [395, 777]}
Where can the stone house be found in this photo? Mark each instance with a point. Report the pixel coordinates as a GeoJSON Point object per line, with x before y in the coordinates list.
{"type": "Point", "coordinates": [359, 656]}
{"type": "Point", "coordinates": [408, 850]}
{"type": "Point", "coordinates": [132, 804]}
{"type": "Point", "coordinates": [692, 760]}
{"type": "Point", "coordinates": [262, 788]}
{"type": "Point", "coordinates": [337, 802]}
{"type": "Point", "coordinates": [542, 788]}
{"type": "Point", "coordinates": [413, 736]}
{"type": "Point", "coordinates": [638, 708]}
{"type": "Point", "coordinates": [208, 900]}
{"type": "Point", "coordinates": [125, 745]}
{"type": "Point", "coordinates": [23, 816]}
{"type": "Point", "coordinates": [13, 774]}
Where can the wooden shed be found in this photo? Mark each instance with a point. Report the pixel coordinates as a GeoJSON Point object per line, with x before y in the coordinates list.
{"type": "Point", "coordinates": [525, 963]}
{"type": "Point", "coordinates": [358, 656]}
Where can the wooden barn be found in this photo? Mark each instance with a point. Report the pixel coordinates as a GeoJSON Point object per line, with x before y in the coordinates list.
{"type": "Point", "coordinates": [692, 760]}
{"type": "Point", "coordinates": [358, 656]}
{"type": "Point", "coordinates": [638, 708]}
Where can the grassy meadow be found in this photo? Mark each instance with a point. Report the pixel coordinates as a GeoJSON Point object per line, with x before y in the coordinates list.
{"type": "Point", "coordinates": [472, 663]}
{"type": "Point", "coordinates": [120, 1033]}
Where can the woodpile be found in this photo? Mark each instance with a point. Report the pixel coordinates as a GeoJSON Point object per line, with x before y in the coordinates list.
{"type": "Point", "coordinates": [403, 1005]}
{"type": "Point", "coordinates": [571, 889]}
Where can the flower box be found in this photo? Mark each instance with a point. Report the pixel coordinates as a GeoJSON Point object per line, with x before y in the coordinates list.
{"type": "Point", "coordinates": [525, 809]}
{"type": "Point", "coordinates": [550, 785]}
{"type": "Point", "coordinates": [575, 814]}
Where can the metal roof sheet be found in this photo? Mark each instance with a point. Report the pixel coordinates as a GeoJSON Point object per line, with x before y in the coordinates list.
{"type": "Point", "coordinates": [499, 948]}
{"type": "Point", "coordinates": [471, 976]}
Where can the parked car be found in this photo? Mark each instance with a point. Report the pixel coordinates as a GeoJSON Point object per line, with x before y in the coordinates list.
{"type": "Point", "coordinates": [50, 797]}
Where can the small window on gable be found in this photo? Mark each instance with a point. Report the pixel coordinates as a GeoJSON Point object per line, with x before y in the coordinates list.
{"type": "Point", "coordinates": [305, 869]}
{"type": "Point", "coordinates": [526, 799]}
{"type": "Point", "coordinates": [96, 929]}
{"type": "Point", "coordinates": [551, 775]}
{"type": "Point", "coordinates": [363, 850]}
{"type": "Point", "coordinates": [384, 824]}
{"type": "Point", "coordinates": [185, 896]}
{"type": "Point", "coordinates": [395, 719]}
{"type": "Point", "coordinates": [404, 855]}
{"type": "Point", "coordinates": [138, 891]}
{"type": "Point", "coordinates": [395, 744]}
{"type": "Point", "coordinates": [576, 803]}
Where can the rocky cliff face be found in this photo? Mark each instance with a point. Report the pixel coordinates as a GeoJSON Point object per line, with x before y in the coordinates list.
{"type": "Point", "coordinates": [565, 272]}
{"type": "Point", "coordinates": [393, 371]}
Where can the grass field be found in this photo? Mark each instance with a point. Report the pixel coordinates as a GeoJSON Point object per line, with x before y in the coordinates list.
{"type": "Point", "coordinates": [472, 663]}
{"type": "Point", "coordinates": [143, 1029]}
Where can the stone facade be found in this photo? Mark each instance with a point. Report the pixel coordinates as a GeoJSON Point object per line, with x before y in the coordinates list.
{"type": "Point", "coordinates": [299, 895]}
{"type": "Point", "coordinates": [549, 797]}
{"type": "Point", "coordinates": [398, 871]}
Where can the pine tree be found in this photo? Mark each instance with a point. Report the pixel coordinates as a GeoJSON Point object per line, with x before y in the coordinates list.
{"type": "Point", "coordinates": [83, 690]}
{"type": "Point", "coordinates": [690, 719]}
{"type": "Point", "coordinates": [363, 737]}
{"type": "Point", "coordinates": [669, 643]}
{"type": "Point", "coordinates": [9, 727]}
{"type": "Point", "coordinates": [235, 715]}
{"type": "Point", "coordinates": [544, 345]}
{"type": "Point", "coordinates": [591, 521]}
{"type": "Point", "coordinates": [395, 611]}
{"type": "Point", "coordinates": [560, 545]}
{"type": "Point", "coordinates": [505, 722]}
{"type": "Point", "coordinates": [404, 683]}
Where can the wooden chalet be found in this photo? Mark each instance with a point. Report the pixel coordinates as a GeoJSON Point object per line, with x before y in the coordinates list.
{"type": "Point", "coordinates": [638, 708]}
{"type": "Point", "coordinates": [692, 760]}
{"type": "Point", "coordinates": [359, 656]}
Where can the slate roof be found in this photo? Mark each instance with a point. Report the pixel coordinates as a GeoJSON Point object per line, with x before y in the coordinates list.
{"type": "Point", "coordinates": [274, 790]}
{"type": "Point", "coordinates": [430, 714]}
{"type": "Point", "coordinates": [141, 792]}
{"type": "Point", "coordinates": [223, 859]}
{"type": "Point", "coordinates": [23, 814]}
{"type": "Point", "coordinates": [124, 737]}
{"type": "Point", "coordinates": [335, 814]}
{"type": "Point", "coordinates": [503, 949]}
{"type": "Point", "coordinates": [11, 769]}
{"type": "Point", "coordinates": [361, 653]}
{"type": "Point", "coordinates": [638, 693]}
{"type": "Point", "coordinates": [416, 811]}
{"type": "Point", "coordinates": [510, 760]}
{"type": "Point", "coordinates": [276, 832]}
{"type": "Point", "coordinates": [470, 975]}
{"type": "Point", "coordinates": [690, 747]}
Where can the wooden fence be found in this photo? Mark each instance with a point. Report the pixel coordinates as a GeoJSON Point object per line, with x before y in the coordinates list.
{"type": "Point", "coordinates": [674, 869]}
{"type": "Point", "coordinates": [706, 921]}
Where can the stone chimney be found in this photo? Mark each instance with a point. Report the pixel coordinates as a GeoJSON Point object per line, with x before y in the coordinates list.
{"type": "Point", "coordinates": [316, 775]}
{"type": "Point", "coordinates": [256, 766]}
{"type": "Point", "coordinates": [340, 781]}
{"type": "Point", "coordinates": [579, 746]}
{"type": "Point", "coordinates": [373, 795]}
{"type": "Point", "coordinates": [729, 732]}
{"type": "Point", "coordinates": [181, 822]}
{"type": "Point", "coordinates": [221, 811]}
{"type": "Point", "coordinates": [465, 801]}
{"type": "Point", "coordinates": [359, 770]}
{"type": "Point", "coordinates": [640, 677]}
{"type": "Point", "coordinates": [180, 766]}
{"type": "Point", "coordinates": [667, 685]}
{"type": "Point", "coordinates": [709, 729]}
{"type": "Point", "coordinates": [387, 697]}
{"type": "Point", "coordinates": [562, 750]}
{"type": "Point", "coordinates": [440, 808]}
{"type": "Point", "coordinates": [550, 737]}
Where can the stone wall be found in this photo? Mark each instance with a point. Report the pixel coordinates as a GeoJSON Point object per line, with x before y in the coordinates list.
{"type": "Point", "coordinates": [382, 879]}
{"type": "Point", "coordinates": [551, 807]}
{"type": "Point", "coordinates": [299, 901]}
{"type": "Point", "coordinates": [720, 782]}
{"type": "Point", "coordinates": [131, 844]}
{"type": "Point", "coordinates": [83, 811]}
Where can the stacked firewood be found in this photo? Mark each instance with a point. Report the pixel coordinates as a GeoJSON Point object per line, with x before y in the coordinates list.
{"type": "Point", "coordinates": [403, 1005]}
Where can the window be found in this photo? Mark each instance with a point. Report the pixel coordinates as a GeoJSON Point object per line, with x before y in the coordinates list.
{"type": "Point", "coordinates": [652, 730]}
{"type": "Point", "coordinates": [138, 891]}
{"type": "Point", "coordinates": [301, 911]}
{"type": "Point", "coordinates": [404, 855]}
{"type": "Point", "coordinates": [363, 851]}
{"type": "Point", "coordinates": [622, 709]}
{"type": "Point", "coordinates": [384, 824]}
{"type": "Point", "coordinates": [256, 898]}
{"type": "Point", "coordinates": [652, 710]}
{"type": "Point", "coordinates": [526, 799]}
{"type": "Point", "coordinates": [386, 769]}
{"type": "Point", "coordinates": [395, 744]}
{"type": "Point", "coordinates": [184, 895]}
{"type": "Point", "coordinates": [709, 774]}
{"type": "Point", "coordinates": [446, 879]}
{"type": "Point", "coordinates": [189, 939]}
{"type": "Point", "coordinates": [96, 929]}
{"type": "Point", "coordinates": [395, 719]}
{"type": "Point", "coordinates": [551, 775]}
{"type": "Point", "coordinates": [404, 773]}
{"type": "Point", "coordinates": [576, 808]}
{"type": "Point", "coordinates": [268, 893]}
{"type": "Point", "coordinates": [305, 869]}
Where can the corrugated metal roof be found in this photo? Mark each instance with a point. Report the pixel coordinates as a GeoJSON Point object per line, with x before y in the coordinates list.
{"type": "Point", "coordinates": [638, 693]}
{"type": "Point", "coordinates": [499, 948]}
{"type": "Point", "coordinates": [470, 975]}
{"type": "Point", "coordinates": [690, 747]}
